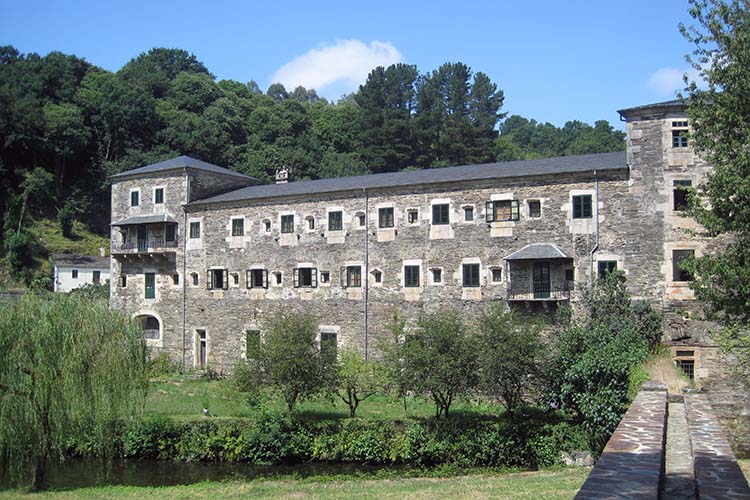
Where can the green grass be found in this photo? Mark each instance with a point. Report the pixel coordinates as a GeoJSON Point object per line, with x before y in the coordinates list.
{"type": "Point", "coordinates": [745, 466]}
{"type": "Point", "coordinates": [547, 484]}
{"type": "Point", "coordinates": [47, 233]}
{"type": "Point", "coordinates": [184, 398]}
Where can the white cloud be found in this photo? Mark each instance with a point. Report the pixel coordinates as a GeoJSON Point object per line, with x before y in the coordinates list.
{"type": "Point", "coordinates": [669, 80]}
{"type": "Point", "coordinates": [338, 68]}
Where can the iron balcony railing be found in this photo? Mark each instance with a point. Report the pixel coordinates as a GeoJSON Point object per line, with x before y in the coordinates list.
{"type": "Point", "coordinates": [149, 245]}
{"type": "Point", "coordinates": [540, 290]}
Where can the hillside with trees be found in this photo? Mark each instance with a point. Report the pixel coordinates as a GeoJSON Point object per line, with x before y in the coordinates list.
{"type": "Point", "coordinates": [66, 125]}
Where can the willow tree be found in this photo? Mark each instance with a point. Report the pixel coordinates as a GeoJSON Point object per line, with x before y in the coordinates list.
{"type": "Point", "coordinates": [71, 368]}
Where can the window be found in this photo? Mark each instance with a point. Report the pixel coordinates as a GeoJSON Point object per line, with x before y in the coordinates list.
{"type": "Point", "coordinates": [468, 214]}
{"type": "Point", "coordinates": [175, 279]}
{"type": "Point", "coordinates": [385, 217]}
{"type": "Point", "coordinates": [328, 347]}
{"type": "Point", "coordinates": [287, 223]}
{"type": "Point", "coordinates": [310, 222]}
{"type": "Point", "coordinates": [238, 227]}
{"type": "Point", "coordinates": [361, 219]}
{"type": "Point", "coordinates": [471, 275]}
{"type": "Point", "coordinates": [194, 277]}
{"type": "Point", "coordinates": [680, 190]}
{"type": "Point", "coordinates": [158, 196]}
{"type": "Point", "coordinates": [351, 276]}
{"type": "Point", "coordinates": [277, 276]}
{"type": "Point", "coordinates": [502, 210]}
{"type": "Point", "coordinates": [412, 216]}
{"type": "Point", "coordinates": [267, 225]}
{"type": "Point", "coordinates": [437, 275]}
{"type": "Point", "coordinates": [335, 221]}
{"type": "Point", "coordinates": [441, 214]}
{"type": "Point", "coordinates": [411, 276]}
{"type": "Point", "coordinates": [570, 275]}
{"type": "Point", "coordinates": [252, 344]}
{"type": "Point", "coordinates": [150, 285]}
{"type": "Point", "coordinates": [256, 278]}
{"type": "Point", "coordinates": [497, 275]}
{"type": "Point", "coordinates": [604, 267]}
{"type": "Point", "coordinates": [680, 134]}
{"type": "Point", "coordinates": [325, 277]}
{"type": "Point", "coordinates": [123, 282]}
{"type": "Point", "coordinates": [377, 275]}
{"type": "Point", "coordinates": [305, 277]}
{"type": "Point", "coordinates": [678, 256]}
{"type": "Point", "coordinates": [201, 348]}
{"type": "Point", "coordinates": [150, 326]}
{"type": "Point", "coordinates": [582, 206]}
{"type": "Point", "coordinates": [687, 366]}
{"type": "Point", "coordinates": [236, 279]}
{"type": "Point", "coordinates": [170, 232]}
{"type": "Point", "coordinates": [195, 230]}
{"type": "Point", "coordinates": [135, 198]}
{"type": "Point", "coordinates": [535, 209]}
{"type": "Point", "coordinates": [96, 277]}
{"type": "Point", "coordinates": [74, 274]}
{"type": "Point", "coordinates": [217, 279]}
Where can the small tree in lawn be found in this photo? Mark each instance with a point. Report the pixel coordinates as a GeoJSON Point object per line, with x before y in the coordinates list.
{"type": "Point", "coordinates": [358, 379]}
{"type": "Point", "coordinates": [510, 356]}
{"type": "Point", "coordinates": [289, 359]}
{"type": "Point", "coordinates": [439, 359]}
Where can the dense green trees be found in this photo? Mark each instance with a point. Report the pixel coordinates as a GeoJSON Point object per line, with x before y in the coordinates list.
{"type": "Point", "coordinates": [720, 120]}
{"type": "Point", "coordinates": [71, 368]}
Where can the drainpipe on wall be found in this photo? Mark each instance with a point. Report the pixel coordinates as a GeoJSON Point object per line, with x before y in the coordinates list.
{"type": "Point", "coordinates": [596, 242]}
{"type": "Point", "coordinates": [184, 271]}
{"type": "Point", "coordinates": [367, 270]}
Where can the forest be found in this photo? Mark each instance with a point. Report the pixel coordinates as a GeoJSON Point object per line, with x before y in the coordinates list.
{"type": "Point", "coordinates": [66, 125]}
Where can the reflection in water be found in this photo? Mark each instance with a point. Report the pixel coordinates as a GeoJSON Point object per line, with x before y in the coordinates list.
{"type": "Point", "coordinates": [79, 473]}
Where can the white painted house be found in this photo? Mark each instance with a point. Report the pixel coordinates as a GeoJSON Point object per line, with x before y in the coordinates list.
{"type": "Point", "coordinates": [75, 271]}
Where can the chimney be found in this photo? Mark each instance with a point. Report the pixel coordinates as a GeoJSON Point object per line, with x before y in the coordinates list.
{"type": "Point", "coordinates": [282, 175]}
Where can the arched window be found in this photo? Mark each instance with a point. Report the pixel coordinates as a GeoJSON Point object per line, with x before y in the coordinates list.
{"type": "Point", "coordinates": [151, 327]}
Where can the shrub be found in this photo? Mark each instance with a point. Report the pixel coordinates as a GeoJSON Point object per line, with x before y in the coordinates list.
{"type": "Point", "coordinates": [160, 364]}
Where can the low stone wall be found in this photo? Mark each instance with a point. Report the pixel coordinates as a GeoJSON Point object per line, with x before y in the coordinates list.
{"type": "Point", "coordinates": [631, 465]}
{"type": "Point", "coordinates": [717, 474]}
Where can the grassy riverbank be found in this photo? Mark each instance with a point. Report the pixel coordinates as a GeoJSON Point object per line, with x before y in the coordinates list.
{"type": "Point", "coordinates": [548, 484]}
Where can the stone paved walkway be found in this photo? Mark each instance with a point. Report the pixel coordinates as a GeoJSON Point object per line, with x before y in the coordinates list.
{"type": "Point", "coordinates": [679, 483]}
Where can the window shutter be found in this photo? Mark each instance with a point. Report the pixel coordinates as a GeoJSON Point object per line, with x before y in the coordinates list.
{"type": "Point", "coordinates": [514, 210]}
{"type": "Point", "coordinates": [225, 281]}
{"type": "Point", "coordinates": [314, 277]}
{"type": "Point", "coordinates": [587, 212]}
{"type": "Point", "coordinates": [489, 212]}
{"type": "Point", "coordinates": [265, 278]}
{"type": "Point", "coordinates": [210, 280]}
{"type": "Point", "coordinates": [296, 278]}
{"type": "Point", "coordinates": [343, 277]}
{"type": "Point", "coordinates": [248, 279]}
{"type": "Point", "coordinates": [121, 281]}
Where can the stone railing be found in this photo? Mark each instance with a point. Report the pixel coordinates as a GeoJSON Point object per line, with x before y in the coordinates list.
{"type": "Point", "coordinates": [631, 464]}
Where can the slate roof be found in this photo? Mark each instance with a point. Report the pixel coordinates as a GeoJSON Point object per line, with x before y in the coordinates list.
{"type": "Point", "coordinates": [536, 251]}
{"type": "Point", "coordinates": [144, 219]}
{"type": "Point", "coordinates": [81, 261]}
{"type": "Point", "coordinates": [674, 103]}
{"type": "Point", "coordinates": [486, 171]}
{"type": "Point", "coordinates": [181, 162]}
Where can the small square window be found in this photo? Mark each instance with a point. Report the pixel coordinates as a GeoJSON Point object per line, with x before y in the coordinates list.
{"type": "Point", "coordinates": [582, 206]}
{"type": "Point", "coordinates": [470, 275]}
{"type": "Point", "coordinates": [267, 225]}
{"type": "Point", "coordinates": [385, 217]}
{"type": "Point", "coordinates": [441, 214]}
{"type": "Point", "coordinates": [535, 209]}
{"type": "Point", "coordinates": [194, 277]}
{"type": "Point", "coordinates": [437, 275]}
{"type": "Point", "coordinates": [175, 279]}
{"type": "Point", "coordinates": [158, 196]}
{"type": "Point", "coordinates": [195, 230]}
{"type": "Point", "coordinates": [605, 267]}
{"type": "Point", "coordinates": [135, 198]}
{"type": "Point", "coordinates": [74, 274]}
{"type": "Point", "coordinates": [277, 278]}
{"type": "Point", "coordinates": [361, 219]}
{"type": "Point", "coordinates": [377, 276]}
{"type": "Point", "coordinates": [235, 279]}
{"type": "Point", "coordinates": [238, 227]}
{"type": "Point", "coordinates": [310, 222]}
{"type": "Point", "coordinates": [468, 214]}
{"type": "Point", "coordinates": [411, 276]}
{"type": "Point", "coordinates": [352, 277]}
{"type": "Point", "coordinates": [325, 277]}
{"type": "Point", "coordinates": [335, 221]}
{"type": "Point", "coordinates": [287, 223]}
{"type": "Point", "coordinates": [680, 191]}
{"type": "Point", "coordinates": [687, 366]}
{"type": "Point", "coordinates": [678, 256]}
{"type": "Point", "coordinates": [412, 216]}
{"type": "Point", "coordinates": [497, 275]}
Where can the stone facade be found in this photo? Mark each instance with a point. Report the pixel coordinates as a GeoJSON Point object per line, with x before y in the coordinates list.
{"type": "Point", "coordinates": [633, 222]}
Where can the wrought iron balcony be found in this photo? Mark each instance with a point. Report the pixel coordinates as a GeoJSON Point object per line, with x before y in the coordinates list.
{"type": "Point", "coordinates": [145, 246]}
{"type": "Point", "coordinates": [540, 290]}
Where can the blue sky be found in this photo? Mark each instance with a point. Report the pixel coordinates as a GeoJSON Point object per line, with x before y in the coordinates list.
{"type": "Point", "coordinates": [555, 60]}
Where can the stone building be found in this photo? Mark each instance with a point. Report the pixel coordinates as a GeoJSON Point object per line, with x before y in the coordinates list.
{"type": "Point", "coordinates": [203, 255]}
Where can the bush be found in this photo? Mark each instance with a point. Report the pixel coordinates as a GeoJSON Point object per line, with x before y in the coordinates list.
{"type": "Point", "coordinates": [160, 364]}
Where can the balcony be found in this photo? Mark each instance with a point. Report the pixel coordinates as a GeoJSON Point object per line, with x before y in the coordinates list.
{"type": "Point", "coordinates": [540, 290]}
{"type": "Point", "coordinates": [152, 245]}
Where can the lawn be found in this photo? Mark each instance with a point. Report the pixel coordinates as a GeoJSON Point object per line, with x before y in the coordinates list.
{"type": "Point", "coordinates": [549, 485]}
{"type": "Point", "coordinates": [184, 398]}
